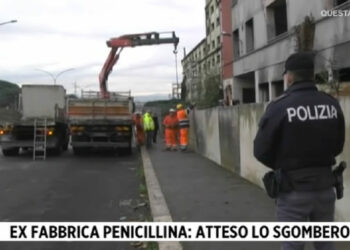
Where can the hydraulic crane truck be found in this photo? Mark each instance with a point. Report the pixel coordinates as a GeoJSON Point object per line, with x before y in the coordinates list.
{"type": "Point", "coordinates": [104, 119]}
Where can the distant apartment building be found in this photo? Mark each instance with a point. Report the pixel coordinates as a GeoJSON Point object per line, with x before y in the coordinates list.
{"type": "Point", "coordinates": [205, 59]}
{"type": "Point", "coordinates": [266, 32]}
{"type": "Point", "coordinates": [194, 65]}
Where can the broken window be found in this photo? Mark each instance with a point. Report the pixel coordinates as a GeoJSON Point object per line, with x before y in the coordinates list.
{"type": "Point", "coordinates": [249, 35]}
{"type": "Point", "coordinates": [236, 48]}
{"type": "Point", "coordinates": [217, 21]}
{"type": "Point", "coordinates": [218, 40]}
{"type": "Point", "coordinates": [277, 18]}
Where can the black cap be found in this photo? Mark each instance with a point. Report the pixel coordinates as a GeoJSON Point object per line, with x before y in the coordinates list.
{"type": "Point", "coordinates": [300, 61]}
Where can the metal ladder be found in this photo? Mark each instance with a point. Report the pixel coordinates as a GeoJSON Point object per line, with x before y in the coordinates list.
{"type": "Point", "coordinates": [39, 143]}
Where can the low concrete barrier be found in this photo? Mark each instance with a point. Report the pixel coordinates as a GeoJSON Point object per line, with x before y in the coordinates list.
{"type": "Point", "coordinates": [226, 135]}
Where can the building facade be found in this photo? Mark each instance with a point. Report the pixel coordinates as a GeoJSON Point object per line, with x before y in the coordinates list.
{"type": "Point", "coordinates": [193, 64]}
{"type": "Point", "coordinates": [204, 60]}
{"type": "Point", "coordinates": [266, 32]}
{"type": "Point", "coordinates": [226, 51]}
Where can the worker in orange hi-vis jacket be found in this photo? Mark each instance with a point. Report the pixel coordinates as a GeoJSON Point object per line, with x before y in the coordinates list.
{"type": "Point", "coordinates": [170, 124]}
{"type": "Point", "coordinates": [138, 128]}
{"type": "Point", "coordinates": [183, 126]}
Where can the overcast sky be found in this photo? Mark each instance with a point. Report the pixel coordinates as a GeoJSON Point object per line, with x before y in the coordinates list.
{"type": "Point", "coordinates": [58, 35]}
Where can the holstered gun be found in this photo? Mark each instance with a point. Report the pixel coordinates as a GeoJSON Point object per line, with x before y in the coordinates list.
{"type": "Point", "coordinates": [272, 183]}
{"type": "Point", "coordinates": [338, 176]}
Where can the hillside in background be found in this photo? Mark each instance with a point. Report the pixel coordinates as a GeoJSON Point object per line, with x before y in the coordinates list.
{"type": "Point", "coordinates": [8, 93]}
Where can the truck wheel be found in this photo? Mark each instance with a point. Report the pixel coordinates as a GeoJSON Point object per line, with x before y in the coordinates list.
{"type": "Point", "coordinates": [10, 151]}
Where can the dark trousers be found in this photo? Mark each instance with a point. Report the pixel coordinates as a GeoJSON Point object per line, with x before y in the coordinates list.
{"type": "Point", "coordinates": [315, 206]}
{"type": "Point", "coordinates": [149, 138]}
{"type": "Point", "coordinates": [155, 133]}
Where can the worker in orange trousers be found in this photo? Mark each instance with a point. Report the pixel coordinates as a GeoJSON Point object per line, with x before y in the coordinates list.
{"type": "Point", "coordinates": [170, 124]}
{"type": "Point", "coordinates": [183, 126]}
{"type": "Point", "coordinates": [138, 128]}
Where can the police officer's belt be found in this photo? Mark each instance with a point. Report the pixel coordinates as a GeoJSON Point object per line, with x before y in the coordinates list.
{"type": "Point", "coordinates": [307, 179]}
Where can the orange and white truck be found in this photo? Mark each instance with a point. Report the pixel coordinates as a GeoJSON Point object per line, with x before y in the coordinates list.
{"type": "Point", "coordinates": [101, 122]}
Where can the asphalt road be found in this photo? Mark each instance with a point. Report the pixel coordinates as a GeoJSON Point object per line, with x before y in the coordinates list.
{"type": "Point", "coordinates": [94, 187]}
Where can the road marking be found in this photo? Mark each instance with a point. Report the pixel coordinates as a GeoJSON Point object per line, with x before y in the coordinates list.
{"type": "Point", "coordinates": [159, 208]}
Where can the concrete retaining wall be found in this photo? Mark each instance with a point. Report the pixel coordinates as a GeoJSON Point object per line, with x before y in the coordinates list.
{"type": "Point", "coordinates": [226, 135]}
{"type": "Point", "coordinates": [229, 138]}
{"type": "Point", "coordinates": [207, 139]}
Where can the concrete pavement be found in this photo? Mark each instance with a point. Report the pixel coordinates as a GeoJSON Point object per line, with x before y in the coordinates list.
{"type": "Point", "coordinates": [196, 189]}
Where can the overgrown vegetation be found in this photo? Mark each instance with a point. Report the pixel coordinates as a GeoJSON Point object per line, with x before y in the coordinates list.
{"type": "Point", "coordinates": [8, 93]}
{"type": "Point", "coordinates": [209, 94]}
{"type": "Point", "coordinates": [329, 79]}
{"type": "Point", "coordinates": [305, 34]}
{"type": "Point", "coordinates": [164, 105]}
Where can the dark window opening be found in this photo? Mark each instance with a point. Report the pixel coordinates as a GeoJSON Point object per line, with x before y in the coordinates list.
{"type": "Point", "coordinates": [234, 2]}
{"type": "Point", "coordinates": [264, 92]}
{"type": "Point", "coordinates": [339, 2]}
{"type": "Point", "coordinates": [277, 18]}
{"type": "Point", "coordinates": [249, 35]}
{"type": "Point", "coordinates": [218, 59]}
{"type": "Point", "coordinates": [277, 88]}
{"type": "Point", "coordinates": [248, 95]}
{"type": "Point", "coordinates": [236, 44]}
{"type": "Point", "coordinates": [344, 75]}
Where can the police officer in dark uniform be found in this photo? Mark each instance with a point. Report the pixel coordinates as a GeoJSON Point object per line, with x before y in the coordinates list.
{"type": "Point", "coordinates": [300, 134]}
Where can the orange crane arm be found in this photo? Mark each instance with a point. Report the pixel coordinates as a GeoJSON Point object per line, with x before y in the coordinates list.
{"type": "Point", "coordinates": [117, 44]}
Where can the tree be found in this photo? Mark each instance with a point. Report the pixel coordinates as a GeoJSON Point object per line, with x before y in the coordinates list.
{"type": "Point", "coordinates": [209, 94]}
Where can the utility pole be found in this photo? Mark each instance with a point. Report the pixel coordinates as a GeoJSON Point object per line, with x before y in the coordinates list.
{"type": "Point", "coordinates": [176, 87]}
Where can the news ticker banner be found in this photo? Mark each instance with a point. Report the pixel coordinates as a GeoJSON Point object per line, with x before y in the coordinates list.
{"type": "Point", "coordinates": [175, 231]}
